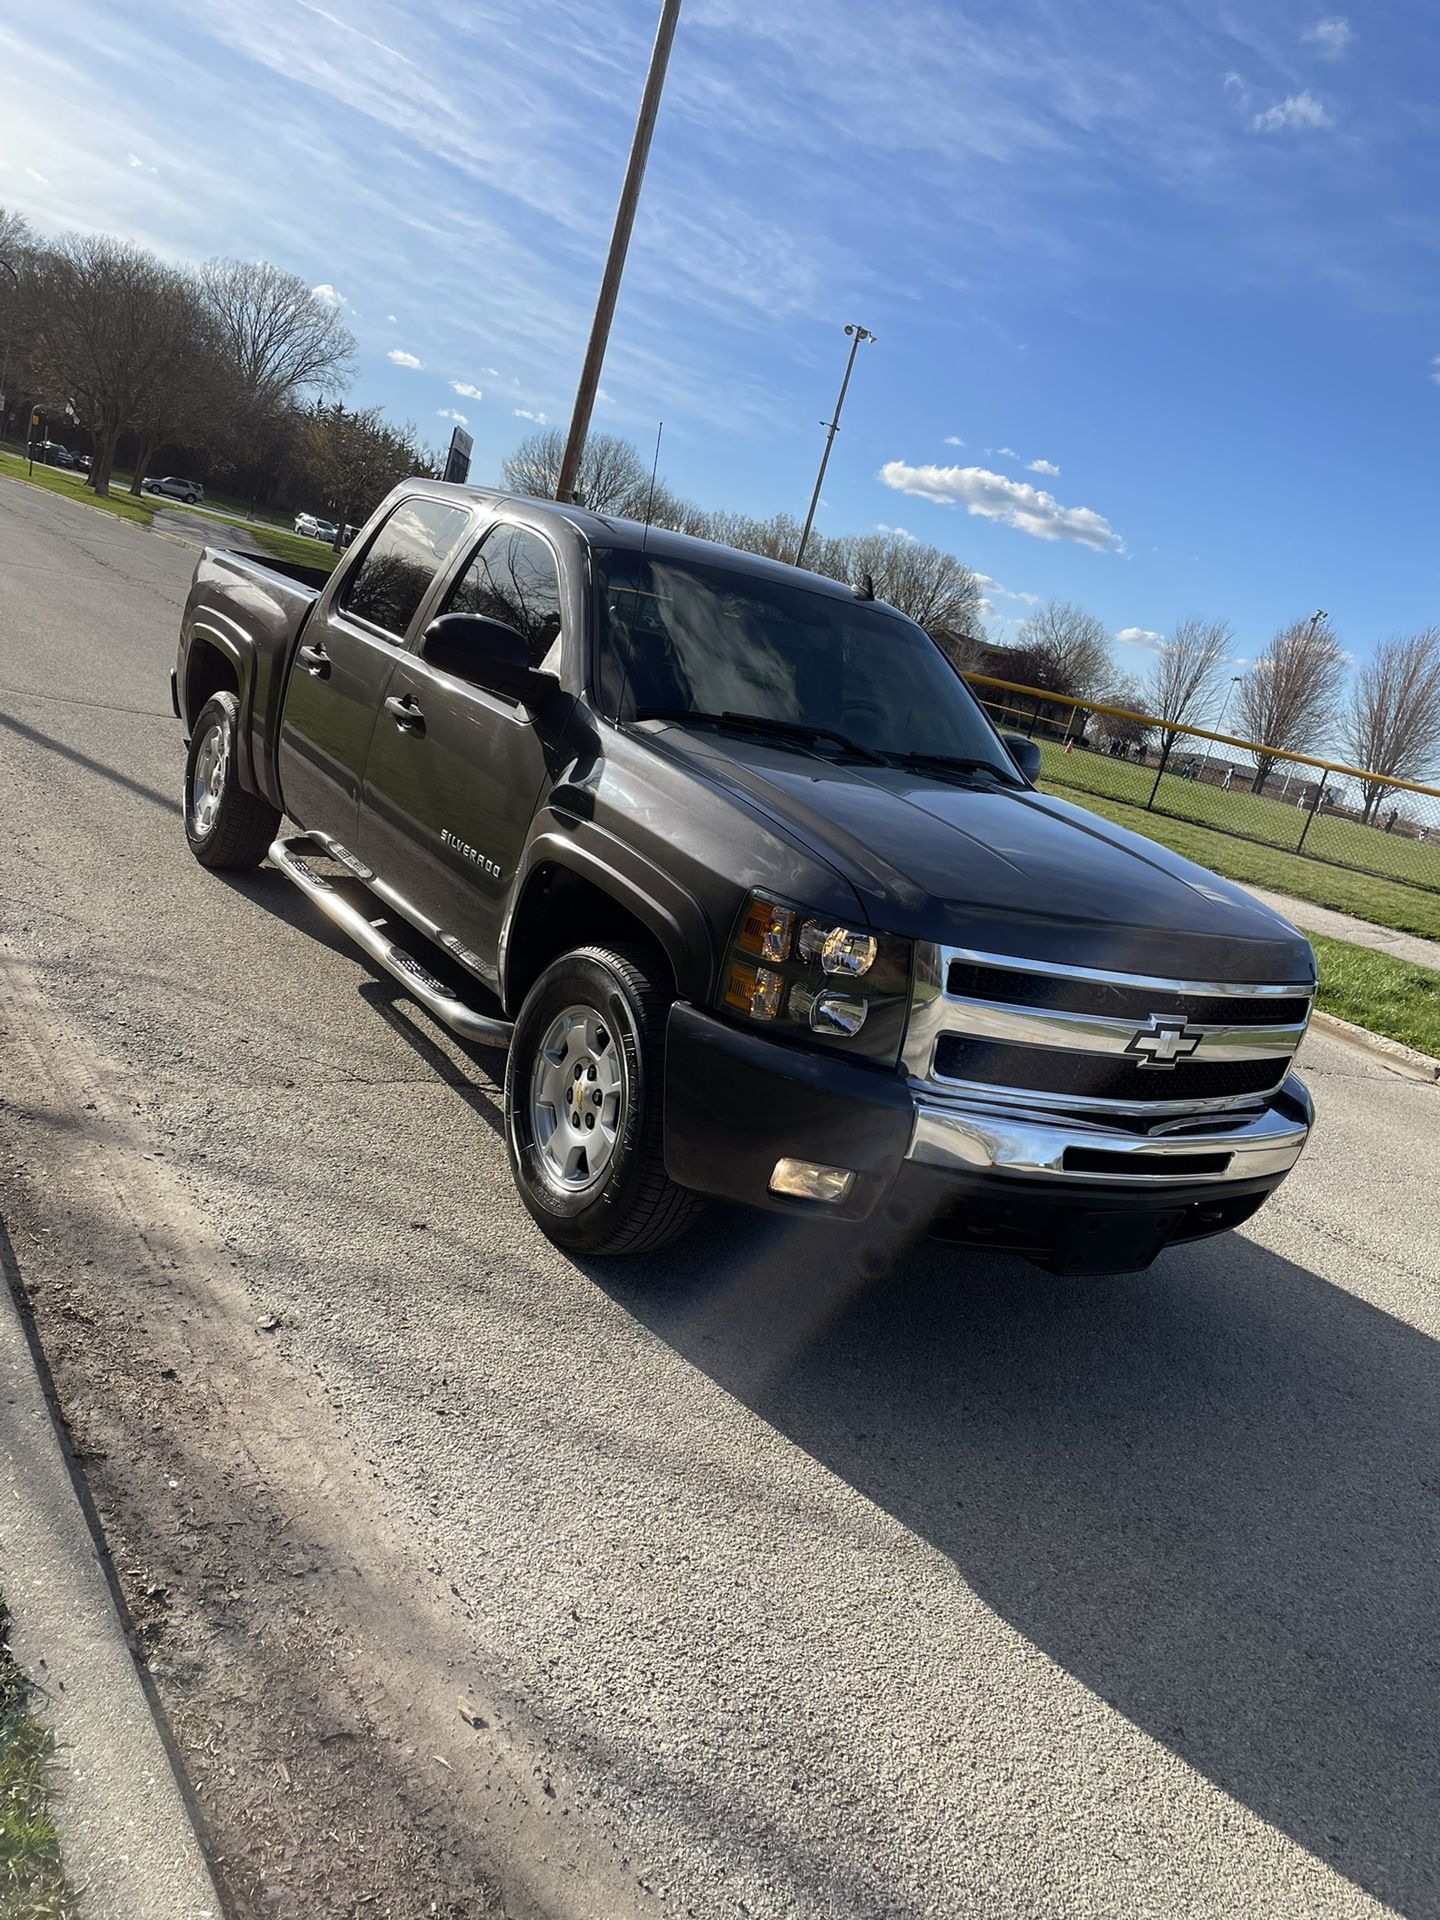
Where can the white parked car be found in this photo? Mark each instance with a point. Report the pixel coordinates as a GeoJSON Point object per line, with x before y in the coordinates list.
{"type": "Point", "coordinates": [314, 528]}
{"type": "Point", "coordinates": [187, 490]}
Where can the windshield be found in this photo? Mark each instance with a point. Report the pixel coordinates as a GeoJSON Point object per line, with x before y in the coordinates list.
{"type": "Point", "coordinates": [686, 637]}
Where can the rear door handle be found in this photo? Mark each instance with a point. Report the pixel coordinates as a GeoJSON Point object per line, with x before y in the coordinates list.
{"type": "Point", "coordinates": [315, 661]}
{"type": "Point", "coordinates": [406, 715]}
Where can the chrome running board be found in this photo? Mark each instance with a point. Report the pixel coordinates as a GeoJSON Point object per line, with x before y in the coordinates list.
{"type": "Point", "coordinates": [289, 856]}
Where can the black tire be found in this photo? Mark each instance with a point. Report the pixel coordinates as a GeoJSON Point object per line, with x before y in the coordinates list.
{"type": "Point", "coordinates": [237, 829]}
{"type": "Point", "coordinates": [189, 499]}
{"type": "Point", "coordinates": [633, 1206]}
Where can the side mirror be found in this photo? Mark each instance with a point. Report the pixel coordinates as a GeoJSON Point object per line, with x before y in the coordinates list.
{"type": "Point", "coordinates": [484, 653]}
{"type": "Point", "coordinates": [1025, 753]}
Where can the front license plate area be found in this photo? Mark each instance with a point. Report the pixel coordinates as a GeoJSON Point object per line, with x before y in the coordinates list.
{"type": "Point", "coordinates": [1113, 1242]}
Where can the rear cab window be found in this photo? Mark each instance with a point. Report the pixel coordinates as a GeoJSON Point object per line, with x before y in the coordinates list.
{"type": "Point", "coordinates": [400, 565]}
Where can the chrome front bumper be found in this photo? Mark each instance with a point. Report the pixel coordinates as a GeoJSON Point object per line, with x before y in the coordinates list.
{"type": "Point", "coordinates": [965, 1135]}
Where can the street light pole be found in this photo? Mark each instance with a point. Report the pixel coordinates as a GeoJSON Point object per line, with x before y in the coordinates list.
{"type": "Point", "coordinates": [857, 334]}
{"type": "Point", "coordinates": [615, 260]}
{"type": "Point", "coordinates": [1225, 708]}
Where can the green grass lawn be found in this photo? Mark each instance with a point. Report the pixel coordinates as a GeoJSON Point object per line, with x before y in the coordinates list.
{"type": "Point", "coordinates": [32, 1884]}
{"type": "Point", "coordinates": [58, 480]}
{"type": "Point", "coordinates": [293, 546]}
{"type": "Point", "coordinates": [1274, 822]}
{"type": "Point", "coordinates": [1387, 903]}
{"type": "Point", "coordinates": [1377, 991]}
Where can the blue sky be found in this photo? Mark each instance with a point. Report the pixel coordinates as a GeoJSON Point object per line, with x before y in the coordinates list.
{"type": "Point", "coordinates": [1185, 255]}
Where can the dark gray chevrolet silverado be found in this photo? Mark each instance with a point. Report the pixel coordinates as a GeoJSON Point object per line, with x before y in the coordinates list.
{"type": "Point", "coordinates": [731, 861]}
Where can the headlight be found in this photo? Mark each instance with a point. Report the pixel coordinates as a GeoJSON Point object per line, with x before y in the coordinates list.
{"type": "Point", "coordinates": [807, 976]}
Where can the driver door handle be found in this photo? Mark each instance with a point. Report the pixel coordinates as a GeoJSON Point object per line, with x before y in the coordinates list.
{"type": "Point", "coordinates": [406, 715]}
{"type": "Point", "coordinates": [315, 661]}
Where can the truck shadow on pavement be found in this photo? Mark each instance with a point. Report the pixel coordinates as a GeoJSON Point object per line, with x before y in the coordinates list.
{"type": "Point", "coordinates": [1211, 1493]}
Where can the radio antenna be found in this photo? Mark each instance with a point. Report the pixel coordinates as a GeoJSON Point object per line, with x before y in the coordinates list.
{"type": "Point", "coordinates": [650, 499]}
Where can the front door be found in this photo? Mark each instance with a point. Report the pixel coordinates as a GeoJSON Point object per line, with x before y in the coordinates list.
{"type": "Point", "coordinates": [454, 773]}
{"type": "Point", "coordinates": [348, 650]}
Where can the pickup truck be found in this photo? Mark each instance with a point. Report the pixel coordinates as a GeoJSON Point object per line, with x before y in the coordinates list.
{"type": "Point", "coordinates": [731, 861]}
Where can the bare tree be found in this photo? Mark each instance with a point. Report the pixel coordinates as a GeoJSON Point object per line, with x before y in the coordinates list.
{"type": "Point", "coordinates": [198, 398]}
{"type": "Point", "coordinates": [283, 340]}
{"type": "Point", "coordinates": [112, 322]}
{"type": "Point", "coordinates": [1393, 722]}
{"type": "Point", "coordinates": [16, 304]}
{"type": "Point", "coordinates": [353, 459]}
{"type": "Point", "coordinates": [1066, 649]}
{"type": "Point", "coordinates": [1184, 683]}
{"type": "Point", "coordinates": [1290, 697]}
{"type": "Point", "coordinates": [613, 477]}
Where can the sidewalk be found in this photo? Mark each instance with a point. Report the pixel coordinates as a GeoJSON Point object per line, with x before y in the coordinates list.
{"type": "Point", "coordinates": [127, 1842]}
{"type": "Point", "coordinates": [1344, 926]}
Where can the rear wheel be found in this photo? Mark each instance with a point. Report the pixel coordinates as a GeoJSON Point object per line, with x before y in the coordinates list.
{"type": "Point", "coordinates": [225, 825]}
{"type": "Point", "coordinates": [583, 1091]}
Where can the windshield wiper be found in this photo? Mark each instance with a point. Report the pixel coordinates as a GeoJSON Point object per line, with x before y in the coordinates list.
{"type": "Point", "coordinates": [800, 731]}
{"type": "Point", "coordinates": [953, 763]}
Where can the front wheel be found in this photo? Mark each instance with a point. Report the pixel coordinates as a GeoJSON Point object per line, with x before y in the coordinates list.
{"type": "Point", "coordinates": [583, 1091]}
{"type": "Point", "coordinates": [225, 825]}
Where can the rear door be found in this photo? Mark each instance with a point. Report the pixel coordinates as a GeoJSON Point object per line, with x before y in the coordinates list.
{"type": "Point", "coordinates": [347, 653]}
{"type": "Point", "coordinates": [455, 772]}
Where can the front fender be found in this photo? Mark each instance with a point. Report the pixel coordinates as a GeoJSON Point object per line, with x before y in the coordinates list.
{"type": "Point", "coordinates": [672, 916]}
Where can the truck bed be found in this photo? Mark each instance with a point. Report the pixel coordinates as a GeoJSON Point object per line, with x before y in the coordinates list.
{"type": "Point", "coordinates": [252, 611]}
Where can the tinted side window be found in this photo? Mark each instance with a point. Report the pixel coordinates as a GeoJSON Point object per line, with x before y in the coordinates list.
{"type": "Point", "coordinates": [513, 578]}
{"type": "Point", "coordinates": [403, 560]}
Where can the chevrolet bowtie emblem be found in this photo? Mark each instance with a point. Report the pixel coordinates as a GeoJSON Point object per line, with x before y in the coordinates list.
{"type": "Point", "coordinates": [1164, 1039]}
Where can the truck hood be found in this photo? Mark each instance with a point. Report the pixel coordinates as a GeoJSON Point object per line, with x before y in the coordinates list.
{"type": "Point", "coordinates": [1004, 871]}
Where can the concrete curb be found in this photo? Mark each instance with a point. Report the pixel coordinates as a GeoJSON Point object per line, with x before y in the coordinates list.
{"type": "Point", "coordinates": [128, 1841]}
{"type": "Point", "coordinates": [1391, 1052]}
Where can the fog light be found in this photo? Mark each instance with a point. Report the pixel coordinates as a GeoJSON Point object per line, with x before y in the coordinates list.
{"type": "Point", "coordinates": [809, 1180]}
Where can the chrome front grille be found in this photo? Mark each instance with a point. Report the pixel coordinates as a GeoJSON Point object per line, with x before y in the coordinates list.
{"type": "Point", "coordinates": [1075, 1040]}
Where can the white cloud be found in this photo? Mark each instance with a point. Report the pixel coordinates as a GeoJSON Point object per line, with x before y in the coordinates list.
{"type": "Point", "coordinates": [898, 533]}
{"type": "Point", "coordinates": [1330, 38]}
{"type": "Point", "coordinates": [141, 166]}
{"type": "Point", "coordinates": [1141, 637]}
{"type": "Point", "coordinates": [990, 585]}
{"type": "Point", "coordinates": [1003, 453]}
{"type": "Point", "coordinates": [1297, 112]}
{"type": "Point", "coordinates": [1044, 466]}
{"type": "Point", "coordinates": [1435, 369]}
{"type": "Point", "coordinates": [1013, 502]}
{"type": "Point", "coordinates": [449, 413]}
{"type": "Point", "coordinates": [403, 359]}
{"type": "Point", "coordinates": [35, 174]}
{"type": "Point", "coordinates": [953, 440]}
{"type": "Point", "coordinates": [465, 390]}
{"type": "Point", "coordinates": [603, 397]}
{"type": "Point", "coordinates": [1235, 84]}
{"type": "Point", "coordinates": [524, 413]}
{"type": "Point", "coordinates": [391, 318]}
{"type": "Point", "coordinates": [327, 295]}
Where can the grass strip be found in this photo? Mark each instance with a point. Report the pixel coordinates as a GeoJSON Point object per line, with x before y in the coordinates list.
{"type": "Point", "coordinates": [1379, 992]}
{"type": "Point", "coordinates": [1387, 903]}
{"type": "Point", "coordinates": [56, 480]}
{"type": "Point", "coordinates": [293, 546]}
{"type": "Point", "coordinates": [32, 1884]}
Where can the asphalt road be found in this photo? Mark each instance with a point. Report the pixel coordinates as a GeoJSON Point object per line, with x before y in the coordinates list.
{"type": "Point", "coordinates": [767, 1589]}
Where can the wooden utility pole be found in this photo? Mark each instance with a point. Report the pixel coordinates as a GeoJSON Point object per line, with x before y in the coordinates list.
{"type": "Point", "coordinates": [619, 245]}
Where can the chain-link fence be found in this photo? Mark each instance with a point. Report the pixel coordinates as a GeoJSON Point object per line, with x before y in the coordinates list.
{"type": "Point", "coordinates": [1300, 804]}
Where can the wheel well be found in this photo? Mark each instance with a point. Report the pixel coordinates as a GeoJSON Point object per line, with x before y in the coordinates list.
{"type": "Point", "coordinates": [558, 911]}
{"type": "Point", "coordinates": [209, 671]}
